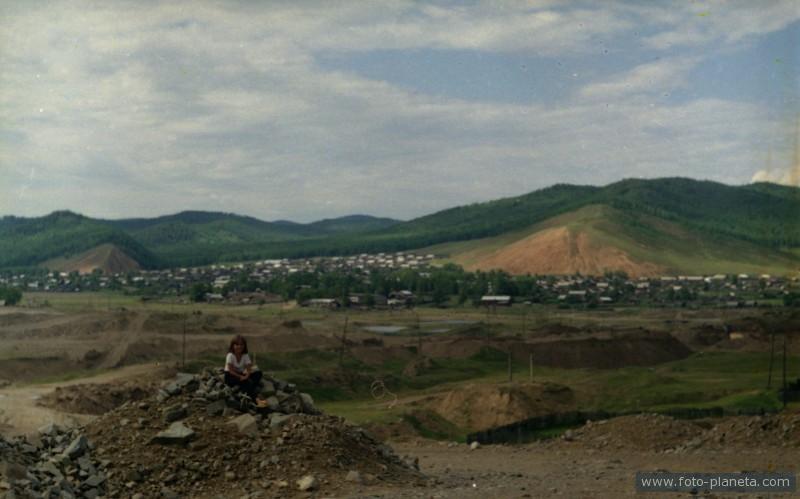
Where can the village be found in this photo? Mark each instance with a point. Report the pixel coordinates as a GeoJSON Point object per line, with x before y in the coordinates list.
{"type": "Point", "coordinates": [405, 279]}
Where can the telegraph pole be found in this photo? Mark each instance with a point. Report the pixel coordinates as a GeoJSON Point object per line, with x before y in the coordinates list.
{"type": "Point", "coordinates": [183, 348]}
{"type": "Point", "coordinates": [344, 339]}
{"type": "Point", "coordinates": [785, 390]}
{"type": "Point", "coordinates": [771, 359]}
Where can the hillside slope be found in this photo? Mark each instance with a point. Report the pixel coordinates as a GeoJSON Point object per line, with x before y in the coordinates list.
{"type": "Point", "coordinates": [62, 234]}
{"type": "Point", "coordinates": [669, 224]}
{"type": "Point", "coordinates": [107, 258]}
{"type": "Point", "coordinates": [599, 238]}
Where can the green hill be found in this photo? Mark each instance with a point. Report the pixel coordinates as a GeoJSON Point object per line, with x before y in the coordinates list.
{"type": "Point", "coordinates": [184, 239]}
{"type": "Point", "coordinates": [30, 241]}
{"type": "Point", "coordinates": [674, 218]}
{"type": "Point", "coordinates": [599, 238]}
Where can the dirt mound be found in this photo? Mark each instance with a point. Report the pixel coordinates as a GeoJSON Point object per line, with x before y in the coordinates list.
{"type": "Point", "coordinates": [629, 349]}
{"type": "Point", "coordinates": [95, 398]}
{"type": "Point", "coordinates": [654, 432]}
{"type": "Point", "coordinates": [106, 257]}
{"type": "Point", "coordinates": [562, 251]}
{"type": "Point", "coordinates": [218, 450]}
{"type": "Point", "coordinates": [479, 407]}
{"type": "Point", "coordinates": [418, 366]}
{"type": "Point", "coordinates": [748, 432]}
{"type": "Point", "coordinates": [647, 432]}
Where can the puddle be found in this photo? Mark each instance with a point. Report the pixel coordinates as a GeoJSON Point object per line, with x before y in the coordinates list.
{"type": "Point", "coordinates": [450, 322]}
{"type": "Point", "coordinates": [384, 329]}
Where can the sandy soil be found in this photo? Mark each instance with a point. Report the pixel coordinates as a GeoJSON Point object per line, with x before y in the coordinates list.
{"type": "Point", "coordinates": [21, 413]}
{"type": "Point", "coordinates": [560, 251]}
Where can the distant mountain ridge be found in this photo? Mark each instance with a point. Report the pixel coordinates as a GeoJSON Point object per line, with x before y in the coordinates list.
{"type": "Point", "coordinates": [657, 224]}
{"type": "Point", "coordinates": [185, 238]}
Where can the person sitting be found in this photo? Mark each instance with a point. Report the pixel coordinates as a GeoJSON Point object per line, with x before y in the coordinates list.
{"type": "Point", "coordinates": [239, 369]}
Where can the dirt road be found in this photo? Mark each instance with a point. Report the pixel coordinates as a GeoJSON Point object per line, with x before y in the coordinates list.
{"type": "Point", "coordinates": [20, 413]}
{"type": "Point", "coordinates": [561, 469]}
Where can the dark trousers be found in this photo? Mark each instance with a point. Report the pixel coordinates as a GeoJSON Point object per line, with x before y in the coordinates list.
{"type": "Point", "coordinates": [250, 386]}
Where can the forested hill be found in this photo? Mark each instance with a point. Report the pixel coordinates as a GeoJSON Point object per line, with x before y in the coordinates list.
{"type": "Point", "coordinates": [29, 241]}
{"type": "Point", "coordinates": [763, 214]}
{"type": "Point", "coordinates": [186, 238]}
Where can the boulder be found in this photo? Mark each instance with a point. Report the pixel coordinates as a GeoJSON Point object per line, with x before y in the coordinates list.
{"type": "Point", "coordinates": [174, 413]}
{"type": "Point", "coordinates": [215, 408]}
{"type": "Point", "coordinates": [308, 482]}
{"type": "Point", "coordinates": [276, 420]}
{"type": "Point", "coordinates": [245, 424]}
{"type": "Point", "coordinates": [177, 433]}
{"type": "Point", "coordinates": [181, 381]}
{"type": "Point", "coordinates": [77, 447]}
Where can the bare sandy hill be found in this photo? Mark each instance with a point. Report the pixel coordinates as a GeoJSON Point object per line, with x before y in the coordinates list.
{"type": "Point", "coordinates": [485, 406]}
{"type": "Point", "coordinates": [106, 257]}
{"type": "Point", "coordinates": [561, 250]}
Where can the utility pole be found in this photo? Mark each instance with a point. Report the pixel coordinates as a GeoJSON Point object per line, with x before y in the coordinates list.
{"type": "Point", "coordinates": [785, 390]}
{"type": "Point", "coordinates": [771, 358]}
{"type": "Point", "coordinates": [530, 363]}
{"type": "Point", "coordinates": [183, 348]}
{"type": "Point", "coordinates": [419, 336]}
{"type": "Point", "coordinates": [344, 339]}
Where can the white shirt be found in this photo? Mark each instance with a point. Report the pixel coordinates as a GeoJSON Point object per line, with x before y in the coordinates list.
{"type": "Point", "coordinates": [238, 366]}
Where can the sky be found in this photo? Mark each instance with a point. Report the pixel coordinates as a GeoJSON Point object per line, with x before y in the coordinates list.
{"type": "Point", "coordinates": [309, 110]}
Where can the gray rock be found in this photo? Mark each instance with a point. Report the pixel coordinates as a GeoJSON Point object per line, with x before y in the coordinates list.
{"type": "Point", "coordinates": [308, 404]}
{"type": "Point", "coordinates": [215, 408]}
{"type": "Point", "coordinates": [168, 493]}
{"type": "Point", "coordinates": [49, 467]}
{"type": "Point", "coordinates": [133, 476]}
{"type": "Point", "coordinates": [85, 463]}
{"type": "Point", "coordinates": [77, 447]}
{"type": "Point", "coordinates": [49, 429]}
{"type": "Point", "coordinates": [308, 482]}
{"type": "Point", "coordinates": [12, 471]}
{"type": "Point", "coordinates": [474, 445]}
{"type": "Point", "coordinates": [292, 404]}
{"type": "Point", "coordinates": [177, 433]}
{"type": "Point", "coordinates": [174, 413]}
{"type": "Point", "coordinates": [273, 404]}
{"type": "Point", "coordinates": [276, 420]}
{"type": "Point", "coordinates": [182, 381]}
{"type": "Point", "coordinates": [267, 389]}
{"type": "Point", "coordinates": [353, 476]}
{"type": "Point", "coordinates": [245, 424]}
{"type": "Point", "coordinates": [94, 480]}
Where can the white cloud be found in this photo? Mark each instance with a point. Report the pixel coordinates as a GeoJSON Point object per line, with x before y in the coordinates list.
{"type": "Point", "coordinates": [154, 109]}
{"type": "Point", "coordinates": [789, 176]}
{"type": "Point", "coordinates": [695, 23]}
{"type": "Point", "coordinates": [653, 77]}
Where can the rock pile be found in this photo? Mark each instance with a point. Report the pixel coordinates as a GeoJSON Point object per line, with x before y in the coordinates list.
{"type": "Point", "coordinates": [772, 430]}
{"type": "Point", "coordinates": [647, 432]}
{"type": "Point", "coordinates": [57, 463]}
{"type": "Point", "coordinates": [659, 433]}
{"type": "Point", "coordinates": [198, 438]}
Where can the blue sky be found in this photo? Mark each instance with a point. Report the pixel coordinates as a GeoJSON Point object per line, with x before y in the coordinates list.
{"type": "Point", "coordinates": [302, 111]}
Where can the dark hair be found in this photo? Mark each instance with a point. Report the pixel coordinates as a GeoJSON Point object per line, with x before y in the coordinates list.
{"type": "Point", "coordinates": [238, 339]}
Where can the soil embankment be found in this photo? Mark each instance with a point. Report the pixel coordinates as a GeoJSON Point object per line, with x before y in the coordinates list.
{"type": "Point", "coordinates": [561, 251]}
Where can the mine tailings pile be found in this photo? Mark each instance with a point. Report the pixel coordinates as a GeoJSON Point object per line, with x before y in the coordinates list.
{"type": "Point", "coordinates": [531, 429]}
{"type": "Point", "coordinates": [196, 437]}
